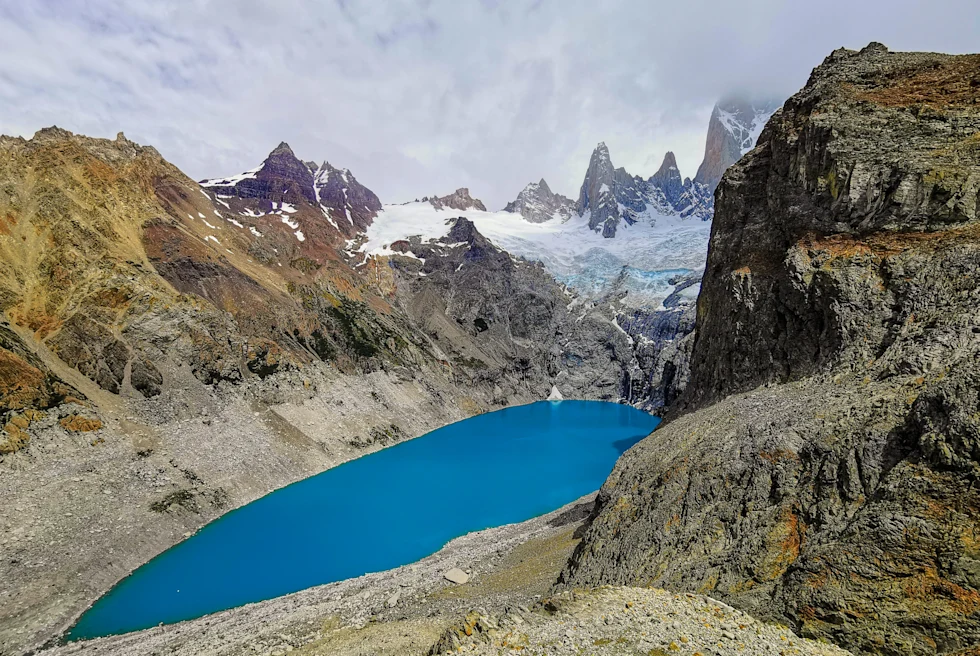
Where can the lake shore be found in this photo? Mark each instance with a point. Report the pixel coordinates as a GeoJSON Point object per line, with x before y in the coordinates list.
{"type": "Point", "coordinates": [405, 609]}
{"type": "Point", "coordinates": [83, 510]}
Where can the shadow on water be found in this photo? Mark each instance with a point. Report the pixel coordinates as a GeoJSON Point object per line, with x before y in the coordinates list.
{"type": "Point", "coordinates": [623, 445]}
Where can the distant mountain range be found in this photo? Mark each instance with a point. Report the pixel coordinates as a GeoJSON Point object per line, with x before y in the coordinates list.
{"type": "Point", "coordinates": [280, 206]}
{"type": "Point", "coordinates": [611, 196]}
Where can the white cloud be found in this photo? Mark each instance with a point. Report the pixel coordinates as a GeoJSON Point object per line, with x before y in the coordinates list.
{"type": "Point", "coordinates": [423, 96]}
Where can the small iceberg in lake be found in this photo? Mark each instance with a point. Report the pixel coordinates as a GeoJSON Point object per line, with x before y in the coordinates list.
{"type": "Point", "coordinates": [555, 394]}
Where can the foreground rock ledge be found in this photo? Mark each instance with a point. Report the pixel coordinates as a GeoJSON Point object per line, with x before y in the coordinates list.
{"type": "Point", "coordinates": [613, 620]}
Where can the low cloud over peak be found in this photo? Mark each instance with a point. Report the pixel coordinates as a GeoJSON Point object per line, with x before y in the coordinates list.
{"type": "Point", "coordinates": [418, 96]}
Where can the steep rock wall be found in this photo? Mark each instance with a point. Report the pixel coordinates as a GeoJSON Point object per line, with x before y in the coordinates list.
{"type": "Point", "coordinates": [821, 467]}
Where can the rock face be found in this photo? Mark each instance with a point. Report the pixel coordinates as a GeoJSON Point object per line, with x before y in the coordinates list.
{"type": "Point", "coordinates": [733, 129]}
{"type": "Point", "coordinates": [458, 200]}
{"type": "Point", "coordinates": [340, 195]}
{"type": "Point", "coordinates": [537, 204]}
{"type": "Point", "coordinates": [498, 316]}
{"type": "Point", "coordinates": [663, 340]}
{"type": "Point", "coordinates": [820, 468]}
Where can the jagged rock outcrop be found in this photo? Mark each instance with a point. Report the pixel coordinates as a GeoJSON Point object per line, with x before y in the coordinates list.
{"type": "Point", "coordinates": [458, 200]}
{"type": "Point", "coordinates": [733, 128]}
{"type": "Point", "coordinates": [537, 204]}
{"type": "Point", "coordinates": [821, 467]}
{"type": "Point", "coordinates": [668, 180]}
{"type": "Point", "coordinates": [611, 195]}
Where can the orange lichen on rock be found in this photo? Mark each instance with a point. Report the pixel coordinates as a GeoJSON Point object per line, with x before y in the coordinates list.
{"type": "Point", "coordinates": [80, 424]}
{"type": "Point", "coordinates": [929, 588]}
{"type": "Point", "coordinates": [951, 82]}
{"type": "Point", "coordinates": [885, 244]}
{"type": "Point", "coordinates": [21, 384]}
{"type": "Point", "coordinates": [786, 540]}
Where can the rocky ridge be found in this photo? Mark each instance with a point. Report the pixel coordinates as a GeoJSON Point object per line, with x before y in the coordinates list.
{"type": "Point", "coordinates": [458, 200]}
{"type": "Point", "coordinates": [611, 195]}
{"type": "Point", "coordinates": [819, 468]}
{"type": "Point", "coordinates": [283, 185]}
{"type": "Point", "coordinates": [537, 204]}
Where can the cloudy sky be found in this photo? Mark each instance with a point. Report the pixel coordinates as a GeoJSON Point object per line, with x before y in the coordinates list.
{"type": "Point", "coordinates": [423, 96]}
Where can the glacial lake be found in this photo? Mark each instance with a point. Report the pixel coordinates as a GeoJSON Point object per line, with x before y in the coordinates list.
{"type": "Point", "coordinates": [381, 511]}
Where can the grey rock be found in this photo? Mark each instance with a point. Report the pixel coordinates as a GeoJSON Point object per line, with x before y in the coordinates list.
{"type": "Point", "coordinates": [458, 200]}
{"type": "Point", "coordinates": [819, 468]}
{"type": "Point", "coordinates": [457, 576]}
{"type": "Point", "coordinates": [537, 204]}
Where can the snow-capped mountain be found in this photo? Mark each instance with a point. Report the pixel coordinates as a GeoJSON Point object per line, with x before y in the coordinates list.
{"type": "Point", "coordinates": [625, 232]}
{"type": "Point", "coordinates": [612, 197]}
{"type": "Point", "coordinates": [537, 204]}
{"type": "Point", "coordinates": [643, 260]}
{"type": "Point", "coordinates": [733, 129]}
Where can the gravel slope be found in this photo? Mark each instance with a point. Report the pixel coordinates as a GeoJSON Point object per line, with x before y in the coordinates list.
{"type": "Point", "coordinates": [618, 620]}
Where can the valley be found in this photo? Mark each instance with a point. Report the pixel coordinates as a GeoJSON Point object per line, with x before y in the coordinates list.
{"type": "Point", "coordinates": [802, 314]}
{"type": "Point", "coordinates": [175, 350]}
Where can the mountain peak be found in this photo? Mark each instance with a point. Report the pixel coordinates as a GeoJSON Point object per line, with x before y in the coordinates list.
{"type": "Point", "coordinates": [733, 129]}
{"type": "Point", "coordinates": [282, 149]}
{"type": "Point", "coordinates": [537, 204]}
{"type": "Point", "coordinates": [458, 200]}
{"type": "Point", "coordinates": [669, 163]}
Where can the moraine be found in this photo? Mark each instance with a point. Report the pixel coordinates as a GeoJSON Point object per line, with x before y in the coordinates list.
{"type": "Point", "coordinates": [378, 512]}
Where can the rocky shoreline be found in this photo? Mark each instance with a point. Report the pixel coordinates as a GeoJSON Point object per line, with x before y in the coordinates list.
{"type": "Point", "coordinates": [417, 591]}
{"type": "Point", "coordinates": [82, 510]}
{"type": "Point", "coordinates": [503, 600]}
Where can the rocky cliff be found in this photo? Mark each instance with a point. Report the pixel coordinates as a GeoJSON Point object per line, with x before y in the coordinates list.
{"type": "Point", "coordinates": [820, 468]}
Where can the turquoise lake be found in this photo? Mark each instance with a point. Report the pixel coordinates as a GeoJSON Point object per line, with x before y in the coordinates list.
{"type": "Point", "coordinates": [384, 510]}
